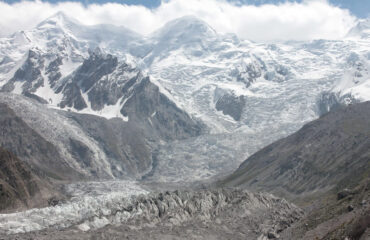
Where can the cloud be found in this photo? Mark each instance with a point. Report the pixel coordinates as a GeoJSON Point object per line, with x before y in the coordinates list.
{"type": "Point", "coordinates": [311, 19]}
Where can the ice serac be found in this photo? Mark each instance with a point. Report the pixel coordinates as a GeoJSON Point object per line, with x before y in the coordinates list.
{"type": "Point", "coordinates": [324, 153]}
{"type": "Point", "coordinates": [352, 87]}
{"type": "Point", "coordinates": [223, 212]}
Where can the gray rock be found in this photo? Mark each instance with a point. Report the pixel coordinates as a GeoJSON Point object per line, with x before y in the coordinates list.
{"type": "Point", "coordinates": [72, 97]}
{"type": "Point", "coordinates": [350, 208]}
{"type": "Point", "coordinates": [53, 71]}
{"type": "Point", "coordinates": [29, 74]}
{"type": "Point", "coordinates": [343, 194]}
{"type": "Point", "coordinates": [272, 235]}
{"type": "Point", "coordinates": [158, 115]}
{"type": "Point", "coordinates": [231, 105]}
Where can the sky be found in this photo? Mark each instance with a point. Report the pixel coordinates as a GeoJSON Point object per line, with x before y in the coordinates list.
{"type": "Point", "coordinates": [360, 8]}
{"type": "Point", "coordinates": [257, 20]}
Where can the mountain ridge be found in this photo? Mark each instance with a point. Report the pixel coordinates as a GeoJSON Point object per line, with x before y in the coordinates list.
{"type": "Point", "coordinates": [318, 157]}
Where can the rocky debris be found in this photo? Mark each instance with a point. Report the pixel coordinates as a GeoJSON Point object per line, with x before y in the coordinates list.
{"type": "Point", "coordinates": [350, 208]}
{"type": "Point", "coordinates": [343, 194]}
{"type": "Point", "coordinates": [323, 153]}
{"type": "Point", "coordinates": [231, 105]}
{"type": "Point", "coordinates": [56, 200]}
{"type": "Point", "coordinates": [272, 235]}
{"type": "Point", "coordinates": [35, 97]}
{"type": "Point", "coordinates": [222, 213]}
{"type": "Point", "coordinates": [327, 218]}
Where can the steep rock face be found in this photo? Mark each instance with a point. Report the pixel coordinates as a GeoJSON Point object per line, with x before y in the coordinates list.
{"type": "Point", "coordinates": [93, 78]}
{"type": "Point", "coordinates": [324, 152]}
{"type": "Point", "coordinates": [100, 81]}
{"type": "Point", "coordinates": [231, 105]}
{"type": "Point", "coordinates": [113, 87]}
{"type": "Point", "coordinates": [28, 145]}
{"type": "Point", "coordinates": [28, 75]}
{"type": "Point", "coordinates": [19, 186]}
{"type": "Point", "coordinates": [126, 145]}
{"type": "Point", "coordinates": [158, 114]}
{"type": "Point", "coordinates": [242, 215]}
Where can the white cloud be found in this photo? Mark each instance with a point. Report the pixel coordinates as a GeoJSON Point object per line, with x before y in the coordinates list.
{"type": "Point", "coordinates": [311, 19]}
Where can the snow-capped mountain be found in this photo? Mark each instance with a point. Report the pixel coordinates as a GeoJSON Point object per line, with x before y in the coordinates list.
{"type": "Point", "coordinates": [248, 94]}
{"type": "Point", "coordinates": [361, 30]}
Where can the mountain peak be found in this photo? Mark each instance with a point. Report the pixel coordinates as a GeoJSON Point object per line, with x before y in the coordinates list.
{"type": "Point", "coordinates": [189, 25]}
{"type": "Point", "coordinates": [362, 29]}
{"type": "Point", "coordinates": [59, 19]}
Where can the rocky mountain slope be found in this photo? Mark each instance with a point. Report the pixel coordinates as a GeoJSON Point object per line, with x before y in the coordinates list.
{"type": "Point", "coordinates": [20, 187]}
{"type": "Point", "coordinates": [337, 214]}
{"type": "Point", "coordinates": [322, 154]}
{"type": "Point", "coordinates": [88, 146]}
{"type": "Point", "coordinates": [31, 147]}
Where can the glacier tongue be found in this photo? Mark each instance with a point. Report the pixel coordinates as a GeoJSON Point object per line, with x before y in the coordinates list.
{"type": "Point", "coordinates": [90, 203]}
{"type": "Point", "coordinates": [258, 213]}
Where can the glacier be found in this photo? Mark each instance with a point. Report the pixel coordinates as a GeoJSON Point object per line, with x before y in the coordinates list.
{"type": "Point", "coordinates": [283, 84]}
